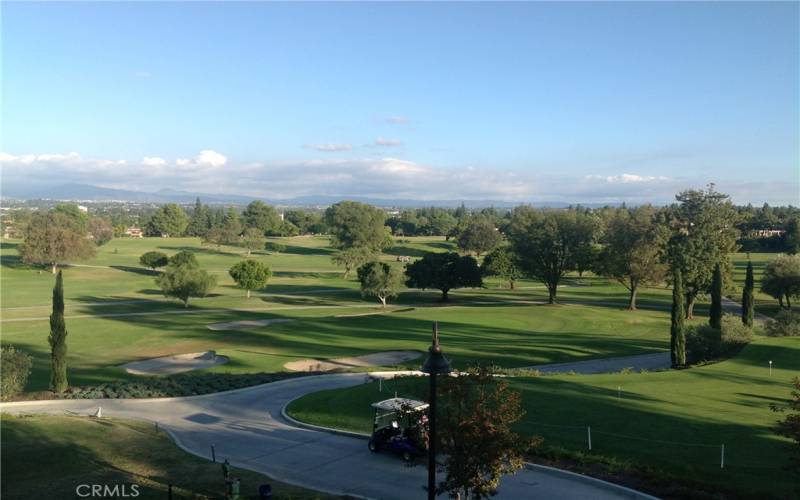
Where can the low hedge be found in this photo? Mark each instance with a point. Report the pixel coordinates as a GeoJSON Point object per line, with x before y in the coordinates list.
{"type": "Point", "coordinates": [174, 385]}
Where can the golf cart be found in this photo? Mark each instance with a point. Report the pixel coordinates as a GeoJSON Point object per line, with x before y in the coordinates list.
{"type": "Point", "coordinates": [400, 426]}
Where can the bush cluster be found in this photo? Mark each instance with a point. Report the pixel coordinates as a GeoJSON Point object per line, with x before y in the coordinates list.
{"type": "Point", "coordinates": [174, 385]}
{"type": "Point", "coordinates": [15, 367]}
{"type": "Point", "coordinates": [704, 343]}
{"type": "Point", "coordinates": [785, 324]}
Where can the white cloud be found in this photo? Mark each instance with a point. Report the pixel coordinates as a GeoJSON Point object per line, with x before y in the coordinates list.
{"type": "Point", "coordinates": [397, 120]}
{"type": "Point", "coordinates": [383, 177]}
{"type": "Point", "coordinates": [329, 147]}
{"type": "Point", "coordinates": [628, 178]}
{"type": "Point", "coordinates": [154, 161]}
{"type": "Point", "coordinates": [209, 157]}
{"type": "Point", "coordinates": [384, 142]}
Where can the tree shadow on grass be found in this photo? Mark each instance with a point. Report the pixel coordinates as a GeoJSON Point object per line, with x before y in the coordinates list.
{"type": "Point", "coordinates": [300, 250]}
{"type": "Point", "coordinates": [136, 270]}
{"type": "Point", "coordinates": [202, 250]}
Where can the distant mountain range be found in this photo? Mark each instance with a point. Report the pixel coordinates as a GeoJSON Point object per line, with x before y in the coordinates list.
{"type": "Point", "coordinates": [86, 192]}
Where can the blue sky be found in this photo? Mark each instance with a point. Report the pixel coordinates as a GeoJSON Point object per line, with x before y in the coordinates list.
{"type": "Point", "coordinates": [515, 101]}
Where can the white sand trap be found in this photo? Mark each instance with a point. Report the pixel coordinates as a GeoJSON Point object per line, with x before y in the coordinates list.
{"type": "Point", "coordinates": [175, 364]}
{"type": "Point", "coordinates": [244, 325]}
{"type": "Point", "coordinates": [386, 358]}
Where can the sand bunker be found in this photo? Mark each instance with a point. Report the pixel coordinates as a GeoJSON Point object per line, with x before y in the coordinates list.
{"type": "Point", "coordinates": [387, 358]}
{"type": "Point", "coordinates": [244, 325]}
{"type": "Point", "coordinates": [175, 364]}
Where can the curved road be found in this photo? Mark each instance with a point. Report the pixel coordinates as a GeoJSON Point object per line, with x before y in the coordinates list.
{"type": "Point", "coordinates": [247, 428]}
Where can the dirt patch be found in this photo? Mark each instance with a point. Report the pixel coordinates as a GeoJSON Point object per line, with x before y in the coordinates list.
{"type": "Point", "coordinates": [386, 358]}
{"type": "Point", "coordinates": [177, 363]}
{"type": "Point", "coordinates": [244, 325]}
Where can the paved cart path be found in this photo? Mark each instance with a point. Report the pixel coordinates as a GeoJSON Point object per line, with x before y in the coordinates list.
{"type": "Point", "coordinates": [246, 426]}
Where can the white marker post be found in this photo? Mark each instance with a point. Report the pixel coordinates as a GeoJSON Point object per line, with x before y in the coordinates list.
{"type": "Point", "coordinates": [722, 457]}
{"type": "Point", "coordinates": [619, 392]}
{"type": "Point", "coordinates": [380, 385]}
{"type": "Point", "coordinates": [589, 435]}
{"type": "Point", "coordinates": [770, 368]}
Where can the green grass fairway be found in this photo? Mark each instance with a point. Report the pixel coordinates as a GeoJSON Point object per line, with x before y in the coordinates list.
{"type": "Point", "coordinates": [48, 457]}
{"type": "Point", "coordinates": [673, 420]}
{"type": "Point", "coordinates": [115, 314]}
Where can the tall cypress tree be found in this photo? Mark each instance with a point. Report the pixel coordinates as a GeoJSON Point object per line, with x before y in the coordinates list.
{"type": "Point", "coordinates": [748, 304]}
{"type": "Point", "coordinates": [715, 314]}
{"type": "Point", "coordinates": [677, 333]}
{"type": "Point", "coordinates": [58, 339]}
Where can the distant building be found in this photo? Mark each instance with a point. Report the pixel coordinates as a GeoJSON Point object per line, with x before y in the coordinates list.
{"type": "Point", "coordinates": [767, 233]}
{"type": "Point", "coordinates": [10, 231]}
{"type": "Point", "coordinates": [134, 232]}
{"type": "Point", "coordinates": [83, 209]}
{"type": "Point", "coordinates": [281, 216]}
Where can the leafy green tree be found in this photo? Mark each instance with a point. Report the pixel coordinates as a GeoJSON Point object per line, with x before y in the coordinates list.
{"type": "Point", "coordinates": [58, 339]}
{"type": "Point", "coordinates": [791, 237]}
{"type": "Point", "coordinates": [477, 440]}
{"type": "Point", "coordinates": [168, 220]}
{"type": "Point", "coordinates": [500, 262]}
{"type": "Point", "coordinates": [101, 230]}
{"type": "Point", "coordinates": [78, 218]}
{"type": "Point", "coordinates": [634, 248]}
{"type": "Point", "coordinates": [440, 222]}
{"type": "Point", "coordinates": [545, 243]}
{"type": "Point", "coordinates": [715, 313]}
{"type": "Point", "coordinates": [480, 236]}
{"type": "Point", "coordinates": [253, 239]}
{"type": "Point", "coordinates": [379, 279]}
{"type": "Point", "coordinates": [356, 225]}
{"type": "Point", "coordinates": [53, 238]}
{"type": "Point", "coordinates": [704, 234]}
{"type": "Point", "coordinates": [200, 221]}
{"type": "Point", "coordinates": [352, 258]}
{"type": "Point", "coordinates": [444, 271]}
{"type": "Point", "coordinates": [678, 317]}
{"type": "Point", "coordinates": [231, 226]}
{"type": "Point", "coordinates": [781, 279]}
{"type": "Point", "coordinates": [184, 258]}
{"type": "Point", "coordinates": [263, 217]}
{"type": "Point", "coordinates": [154, 259]}
{"type": "Point", "coordinates": [185, 281]}
{"type": "Point", "coordinates": [250, 275]}
{"type": "Point", "coordinates": [306, 221]}
{"type": "Point", "coordinates": [748, 303]}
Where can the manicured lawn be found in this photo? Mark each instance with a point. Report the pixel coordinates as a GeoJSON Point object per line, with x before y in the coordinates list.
{"type": "Point", "coordinates": [49, 456]}
{"type": "Point", "coordinates": [115, 314]}
{"type": "Point", "coordinates": [672, 420]}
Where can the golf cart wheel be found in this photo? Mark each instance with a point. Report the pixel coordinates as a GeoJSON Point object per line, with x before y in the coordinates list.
{"type": "Point", "coordinates": [373, 446]}
{"type": "Point", "coordinates": [407, 456]}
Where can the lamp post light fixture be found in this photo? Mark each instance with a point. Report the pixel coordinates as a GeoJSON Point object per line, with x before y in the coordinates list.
{"type": "Point", "coordinates": [434, 365]}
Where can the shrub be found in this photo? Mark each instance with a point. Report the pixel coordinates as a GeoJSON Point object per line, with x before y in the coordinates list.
{"type": "Point", "coordinates": [154, 260]}
{"type": "Point", "coordinates": [703, 343]}
{"type": "Point", "coordinates": [274, 247]}
{"type": "Point", "coordinates": [785, 324]}
{"type": "Point", "coordinates": [735, 334]}
{"type": "Point", "coordinates": [15, 366]}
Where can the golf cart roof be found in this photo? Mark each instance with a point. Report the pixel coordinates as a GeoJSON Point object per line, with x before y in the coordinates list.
{"type": "Point", "coordinates": [399, 404]}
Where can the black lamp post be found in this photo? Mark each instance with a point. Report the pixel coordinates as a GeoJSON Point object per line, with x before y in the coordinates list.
{"type": "Point", "coordinates": [435, 364]}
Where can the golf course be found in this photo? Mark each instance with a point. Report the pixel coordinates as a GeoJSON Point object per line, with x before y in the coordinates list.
{"type": "Point", "coordinates": [674, 421]}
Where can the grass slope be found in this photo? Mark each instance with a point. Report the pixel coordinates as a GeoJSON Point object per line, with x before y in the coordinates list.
{"type": "Point", "coordinates": [48, 457]}
{"type": "Point", "coordinates": [672, 420]}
